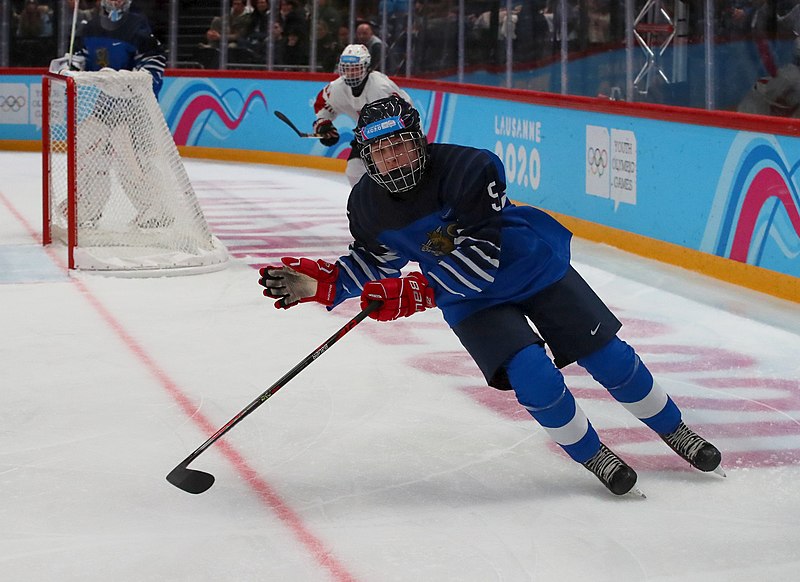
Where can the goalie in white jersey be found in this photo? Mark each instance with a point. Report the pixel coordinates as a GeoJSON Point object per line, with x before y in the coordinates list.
{"type": "Point", "coordinates": [356, 86]}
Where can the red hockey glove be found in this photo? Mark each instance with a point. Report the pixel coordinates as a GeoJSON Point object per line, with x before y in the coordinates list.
{"type": "Point", "coordinates": [401, 297]}
{"type": "Point", "coordinates": [299, 281]}
{"type": "Point", "coordinates": [329, 134]}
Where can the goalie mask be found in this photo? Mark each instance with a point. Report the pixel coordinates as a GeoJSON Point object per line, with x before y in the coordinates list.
{"type": "Point", "coordinates": [393, 146]}
{"type": "Point", "coordinates": [112, 12]}
{"type": "Point", "coordinates": [354, 64]}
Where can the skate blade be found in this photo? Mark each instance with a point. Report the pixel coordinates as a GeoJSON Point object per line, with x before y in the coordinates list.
{"type": "Point", "coordinates": [720, 471]}
{"type": "Point", "coordinates": [636, 492]}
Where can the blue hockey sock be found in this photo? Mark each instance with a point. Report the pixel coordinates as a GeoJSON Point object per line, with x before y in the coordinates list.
{"type": "Point", "coordinates": [618, 368]}
{"type": "Point", "coordinates": [540, 388]}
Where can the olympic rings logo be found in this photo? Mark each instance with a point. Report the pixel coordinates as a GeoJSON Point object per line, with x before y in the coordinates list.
{"type": "Point", "coordinates": [12, 102]}
{"type": "Point", "coordinates": [598, 160]}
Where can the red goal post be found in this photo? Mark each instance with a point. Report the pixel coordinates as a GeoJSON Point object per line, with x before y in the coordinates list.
{"type": "Point", "coordinates": [115, 191]}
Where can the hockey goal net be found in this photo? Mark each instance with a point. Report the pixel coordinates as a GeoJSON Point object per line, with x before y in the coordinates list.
{"type": "Point", "coordinates": [115, 189]}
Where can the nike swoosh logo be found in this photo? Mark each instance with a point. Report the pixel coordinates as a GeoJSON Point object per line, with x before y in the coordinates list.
{"type": "Point", "coordinates": [594, 331]}
{"type": "Point", "coordinates": [116, 43]}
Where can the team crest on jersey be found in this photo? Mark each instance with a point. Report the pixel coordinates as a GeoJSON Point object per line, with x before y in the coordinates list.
{"type": "Point", "coordinates": [440, 241]}
{"type": "Point", "coordinates": [101, 55]}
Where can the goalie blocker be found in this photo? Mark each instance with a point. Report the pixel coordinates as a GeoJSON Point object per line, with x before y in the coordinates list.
{"type": "Point", "coordinates": [115, 191]}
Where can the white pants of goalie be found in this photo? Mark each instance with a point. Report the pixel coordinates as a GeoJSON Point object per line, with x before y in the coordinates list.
{"type": "Point", "coordinates": [107, 151]}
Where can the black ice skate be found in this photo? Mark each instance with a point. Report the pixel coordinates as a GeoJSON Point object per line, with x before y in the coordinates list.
{"type": "Point", "coordinates": [693, 448]}
{"type": "Point", "coordinates": [613, 472]}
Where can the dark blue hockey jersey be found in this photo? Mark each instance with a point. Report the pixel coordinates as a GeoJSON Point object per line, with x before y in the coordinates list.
{"type": "Point", "coordinates": [130, 46]}
{"type": "Point", "coordinates": [475, 247]}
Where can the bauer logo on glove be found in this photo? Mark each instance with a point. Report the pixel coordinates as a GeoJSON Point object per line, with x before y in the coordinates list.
{"type": "Point", "coordinates": [401, 297]}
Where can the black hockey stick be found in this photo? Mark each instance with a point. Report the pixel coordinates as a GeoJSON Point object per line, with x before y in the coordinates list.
{"type": "Point", "coordinates": [288, 122]}
{"type": "Point", "coordinates": [194, 481]}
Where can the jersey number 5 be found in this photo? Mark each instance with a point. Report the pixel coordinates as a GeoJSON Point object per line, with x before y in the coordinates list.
{"type": "Point", "coordinates": [499, 197]}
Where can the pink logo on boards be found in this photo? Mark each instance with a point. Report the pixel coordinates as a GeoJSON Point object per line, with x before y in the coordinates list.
{"type": "Point", "coordinates": [198, 103]}
{"type": "Point", "coordinates": [755, 214]}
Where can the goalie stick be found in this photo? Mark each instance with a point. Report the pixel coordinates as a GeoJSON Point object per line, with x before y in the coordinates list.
{"type": "Point", "coordinates": [72, 35]}
{"type": "Point", "coordinates": [194, 481]}
{"type": "Point", "coordinates": [288, 122]}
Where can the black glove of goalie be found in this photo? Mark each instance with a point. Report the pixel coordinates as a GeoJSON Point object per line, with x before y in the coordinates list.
{"type": "Point", "coordinates": [329, 134]}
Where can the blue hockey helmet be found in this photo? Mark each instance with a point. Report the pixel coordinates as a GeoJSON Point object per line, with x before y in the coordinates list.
{"type": "Point", "coordinates": [393, 146]}
{"type": "Point", "coordinates": [112, 12]}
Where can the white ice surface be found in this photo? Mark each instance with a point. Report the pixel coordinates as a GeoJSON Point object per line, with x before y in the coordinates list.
{"type": "Point", "coordinates": [386, 459]}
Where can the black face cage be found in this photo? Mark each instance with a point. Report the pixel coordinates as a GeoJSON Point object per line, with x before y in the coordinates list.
{"type": "Point", "coordinates": [412, 147]}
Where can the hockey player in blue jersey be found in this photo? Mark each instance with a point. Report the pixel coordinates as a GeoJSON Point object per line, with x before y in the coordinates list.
{"type": "Point", "coordinates": [116, 38]}
{"type": "Point", "coordinates": [489, 265]}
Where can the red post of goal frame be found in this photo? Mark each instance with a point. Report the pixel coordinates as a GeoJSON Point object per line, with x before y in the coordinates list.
{"type": "Point", "coordinates": [72, 175]}
{"type": "Point", "coordinates": [71, 144]}
{"type": "Point", "coordinates": [46, 237]}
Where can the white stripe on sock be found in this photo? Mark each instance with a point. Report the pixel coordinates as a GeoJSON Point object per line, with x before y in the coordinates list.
{"type": "Point", "coordinates": [650, 405]}
{"type": "Point", "coordinates": [573, 431]}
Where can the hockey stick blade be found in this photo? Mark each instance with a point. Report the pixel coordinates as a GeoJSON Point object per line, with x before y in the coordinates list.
{"type": "Point", "coordinates": [193, 481]}
{"type": "Point", "coordinates": [190, 480]}
{"type": "Point", "coordinates": [288, 122]}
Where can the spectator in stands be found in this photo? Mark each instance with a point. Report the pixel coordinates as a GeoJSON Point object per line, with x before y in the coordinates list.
{"type": "Point", "coordinates": [365, 34]}
{"type": "Point", "coordinates": [342, 37]}
{"type": "Point", "coordinates": [278, 43]}
{"type": "Point", "coordinates": [533, 37]}
{"type": "Point", "coordinates": [331, 16]}
{"type": "Point", "coordinates": [295, 55]}
{"type": "Point", "coordinates": [259, 29]}
{"type": "Point", "coordinates": [35, 21]}
{"type": "Point", "coordinates": [394, 36]}
{"type": "Point", "coordinates": [437, 41]}
{"type": "Point", "coordinates": [238, 27]}
{"type": "Point", "coordinates": [553, 14]}
{"type": "Point", "coordinates": [33, 42]}
{"type": "Point", "coordinates": [292, 19]}
{"type": "Point", "coordinates": [327, 48]}
{"type": "Point", "coordinates": [599, 22]}
{"type": "Point", "coordinates": [367, 11]}
{"type": "Point", "coordinates": [507, 26]}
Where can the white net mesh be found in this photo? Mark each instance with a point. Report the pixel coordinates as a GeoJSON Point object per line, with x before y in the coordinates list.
{"type": "Point", "coordinates": [135, 207]}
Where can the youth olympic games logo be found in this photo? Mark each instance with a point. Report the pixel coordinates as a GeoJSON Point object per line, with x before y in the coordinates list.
{"type": "Point", "coordinates": [597, 158]}
{"type": "Point", "coordinates": [15, 103]}
{"type": "Point", "coordinates": [12, 102]}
